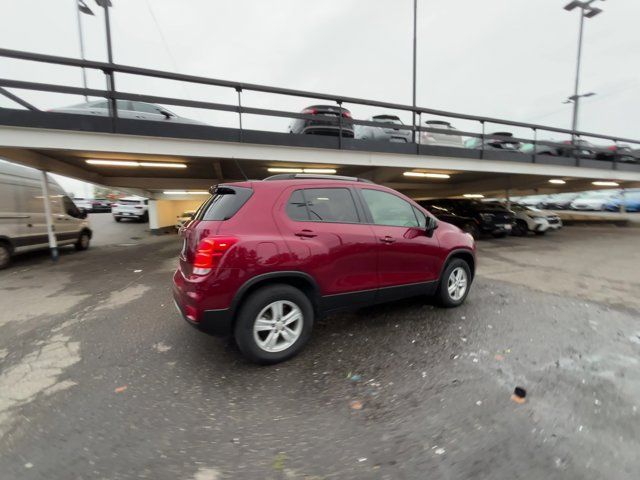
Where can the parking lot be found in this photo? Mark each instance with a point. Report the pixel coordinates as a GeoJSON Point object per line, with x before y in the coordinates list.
{"type": "Point", "coordinates": [100, 378]}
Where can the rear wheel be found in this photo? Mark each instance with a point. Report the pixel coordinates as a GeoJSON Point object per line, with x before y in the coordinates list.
{"type": "Point", "coordinates": [145, 218]}
{"type": "Point", "coordinates": [454, 283]}
{"type": "Point", "coordinates": [273, 324]}
{"type": "Point", "coordinates": [117, 219]}
{"type": "Point", "coordinates": [5, 255]}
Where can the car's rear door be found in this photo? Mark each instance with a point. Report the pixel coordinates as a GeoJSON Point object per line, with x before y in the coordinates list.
{"type": "Point", "coordinates": [326, 231]}
{"type": "Point", "coordinates": [406, 255]}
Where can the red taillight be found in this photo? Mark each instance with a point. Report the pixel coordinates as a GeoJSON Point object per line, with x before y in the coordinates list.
{"type": "Point", "coordinates": [310, 111]}
{"type": "Point", "coordinates": [567, 142]}
{"type": "Point", "coordinates": [612, 148]}
{"type": "Point", "coordinates": [209, 253]}
{"type": "Point", "coordinates": [115, 205]}
{"type": "Point", "coordinates": [346, 114]}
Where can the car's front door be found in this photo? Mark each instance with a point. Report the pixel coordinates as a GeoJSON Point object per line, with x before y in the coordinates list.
{"type": "Point", "coordinates": [329, 239]}
{"type": "Point", "coordinates": [406, 254]}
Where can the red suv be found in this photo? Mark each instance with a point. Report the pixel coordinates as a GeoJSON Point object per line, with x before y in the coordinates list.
{"type": "Point", "coordinates": [263, 259]}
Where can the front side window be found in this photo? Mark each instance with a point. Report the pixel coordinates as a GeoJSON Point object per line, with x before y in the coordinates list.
{"type": "Point", "coordinates": [387, 209]}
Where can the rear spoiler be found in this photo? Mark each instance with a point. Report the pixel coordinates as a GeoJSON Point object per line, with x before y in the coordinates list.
{"type": "Point", "coordinates": [221, 190]}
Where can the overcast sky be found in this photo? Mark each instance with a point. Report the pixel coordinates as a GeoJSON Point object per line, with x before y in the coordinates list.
{"type": "Point", "coordinates": [511, 59]}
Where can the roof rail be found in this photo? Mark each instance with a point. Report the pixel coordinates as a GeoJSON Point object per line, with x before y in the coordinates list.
{"type": "Point", "coordinates": [312, 176]}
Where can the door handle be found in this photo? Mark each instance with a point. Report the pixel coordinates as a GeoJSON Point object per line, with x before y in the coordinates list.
{"type": "Point", "coordinates": [387, 239]}
{"type": "Point", "coordinates": [305, 234]}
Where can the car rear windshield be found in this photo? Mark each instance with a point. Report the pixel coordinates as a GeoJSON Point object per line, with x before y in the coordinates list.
{"type": "Point", "coordinates": [224, 203]}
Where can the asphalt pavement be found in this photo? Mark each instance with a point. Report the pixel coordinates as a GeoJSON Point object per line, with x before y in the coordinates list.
{"type": "Point", "coordinates": [101, 379]}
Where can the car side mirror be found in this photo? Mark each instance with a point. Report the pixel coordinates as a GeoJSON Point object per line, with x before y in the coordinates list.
{"type": "Point", "coordinates": [166, 114]}
{"type": "Point", "coordinates": [83, 214]}
{"type": "Point", "coordinates": [432, 224]}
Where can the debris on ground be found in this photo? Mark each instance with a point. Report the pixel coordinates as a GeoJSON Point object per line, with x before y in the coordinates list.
{"type": "Point", "coordinates": [499, 357]}
{"type": "Point", "coordinates": [519, 395]}
{"type": "Point", "coordinates": [438, 450]}
{"type": "Point", "coordinates": [362, 459]}
{"type": "Point", "coordinates": [356, 404]}
{"type": "Point", "coordinates": [356, 378]}
{"type": "Point", "coordinates": [278, 462]}
{"type": "Point", "coordinates": [121, 389]}
{"type": "Point", "coordinates": [137, 271]}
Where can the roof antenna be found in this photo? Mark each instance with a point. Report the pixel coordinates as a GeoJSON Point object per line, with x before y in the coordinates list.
{"type": "Point", "coordinates": [241, 170]}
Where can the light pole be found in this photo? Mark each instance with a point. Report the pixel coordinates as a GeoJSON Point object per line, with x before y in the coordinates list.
{"type": "Point", "coordinates": [82, 7]}
{"type": "Point", "coordinates": [415, 43]}
{"type": "Point", "coordinates": [586, 11]}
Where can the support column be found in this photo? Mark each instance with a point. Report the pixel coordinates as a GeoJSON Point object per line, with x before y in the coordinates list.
{"type": "Point", "coordinates": [53, 244]}
{"type": "Point", "coordinates": [508, 198]}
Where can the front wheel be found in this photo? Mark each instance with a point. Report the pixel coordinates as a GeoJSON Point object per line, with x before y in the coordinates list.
{"type": "Point", "coordinates": [454, 283]}
{"type": "Point", "coordinates": [117, 219]}
{"type": "Point", "coordinates": [83, 241]}
{"type": "Point", "coordinates": [5, 255]}
{"type": "Point", "coordinates": [273, 324]}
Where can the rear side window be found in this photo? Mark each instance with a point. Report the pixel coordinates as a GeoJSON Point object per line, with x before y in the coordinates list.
{"type": "Point", "coordinates": [333, 205]}
{"type": "Point", "coordinates": [387, 209]}
{"type": "Point", "coordinates": [297, 207]}
{"type": "Point", "coordinates": [224, 204]}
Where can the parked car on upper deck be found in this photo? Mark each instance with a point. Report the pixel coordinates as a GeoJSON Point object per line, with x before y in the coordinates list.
{"type": "Point", "coordinates": [503, 142]}
{"type": "Point", "coordinates": [264, 259]}
{"type": "Point", "coordinates": [447, 137]}
{"type": "Point", "coordinates": [127, 109]}
{"type": "Point", "coordinates": [325, 121]}
{"type": "Point", "coordinates": [386, 133]}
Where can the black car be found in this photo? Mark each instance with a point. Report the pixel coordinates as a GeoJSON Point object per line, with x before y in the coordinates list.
{"type": "Point", "coordinates": [466, 224]}
{"type": "Point", "coordinates": [488, 219]}
{"type": "Point", "coordinates": [326, 121]}
{"type": "Point", "coordinates": [100, 205]}
{"type": "Point", "coordinates": [561, 201]}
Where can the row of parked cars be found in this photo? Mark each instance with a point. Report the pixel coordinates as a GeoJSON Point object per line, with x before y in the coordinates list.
{"type": "Point", "coordinates": [135, 208]}
{"type": "Point", "coordinates": [334, 120]}
{"type": "Point", "coordinates": [492, 218]}
{"type": "Point", "coordinates": [611, 201]}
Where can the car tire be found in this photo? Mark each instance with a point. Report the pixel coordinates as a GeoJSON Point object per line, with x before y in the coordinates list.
{"type": "Point", "coordinates": [520, 228]}
{"type": "Point", "coordinates": [117, 219]}
{"type": "Point", "coordinates": [5, 255]}
{"type": "Point", "coordinates": [540, 233]}
{"type": "Point", "coordinates": [144, 218]}
{"type": "Point", "coordinates": [83, 241]}
{"type": "Point", "coordinates": [499, 235]}
{"type": "Point", "coordinates": [445, 295]}
{"type": "Point", "coordinates": [257, 320]}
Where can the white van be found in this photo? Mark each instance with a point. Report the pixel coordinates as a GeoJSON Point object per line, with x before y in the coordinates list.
{"type": "Point", "coordinates": [23, 224]}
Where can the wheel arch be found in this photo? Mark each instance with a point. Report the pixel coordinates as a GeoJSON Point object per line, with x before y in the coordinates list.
{"type": "Point", "coordinates": [464, 254]}
{"type": "Point", "coordinates": [7, 241]}
{"type": "Point", "coordinates": [300, 280]}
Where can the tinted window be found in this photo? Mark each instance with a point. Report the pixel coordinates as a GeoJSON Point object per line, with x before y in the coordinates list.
{"type": "Point", "coordinates": [120, 105]}
{"type": "Point", "coordinates": [145, 107]}
{"type": "Point", "coordinates": [297, 208]}
{"type": "Point", "coordinates": [70, 207]}
{"type": "Point", "coordinates": [224, 204]}
{"type": "Point", "coordinates": [331, 205]}
{"type": "Point", "coordinates": [387, 209]}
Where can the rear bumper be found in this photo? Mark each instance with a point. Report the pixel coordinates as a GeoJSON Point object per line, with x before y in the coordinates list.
{"type": "Point", "coordinates": [213, 322]}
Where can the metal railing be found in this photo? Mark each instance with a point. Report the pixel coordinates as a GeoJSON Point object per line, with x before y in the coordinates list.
{"type": "Point", "coordinates": [110, 93]}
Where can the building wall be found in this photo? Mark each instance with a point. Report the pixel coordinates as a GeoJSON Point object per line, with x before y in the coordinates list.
{"type": "Point", "coordinates": [163, 213]}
